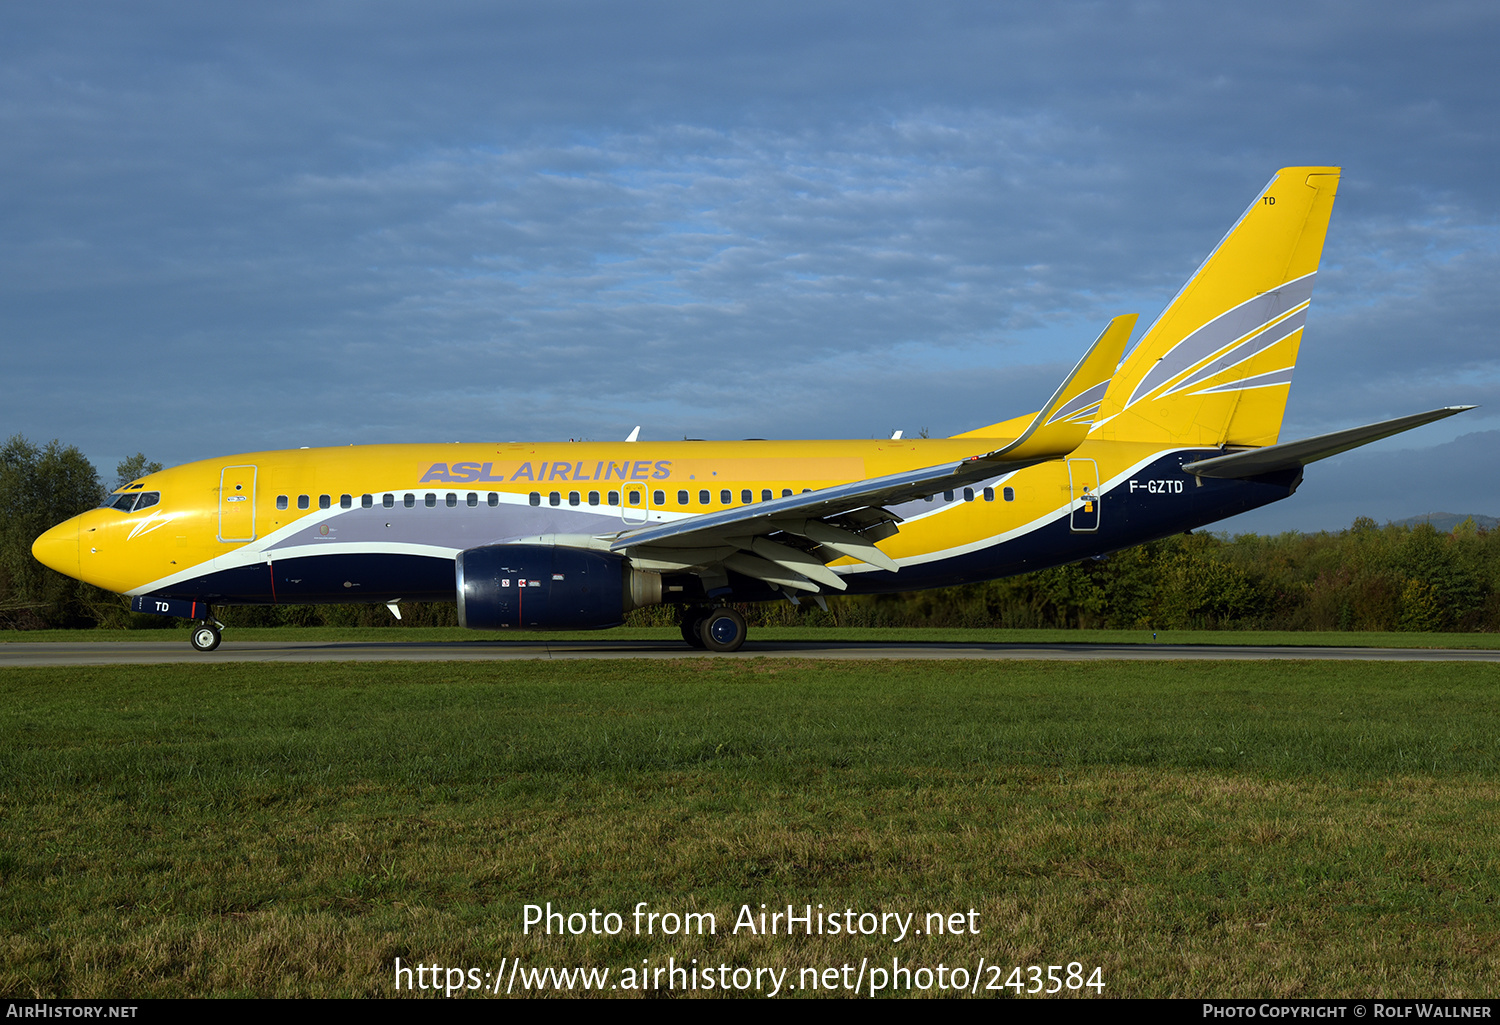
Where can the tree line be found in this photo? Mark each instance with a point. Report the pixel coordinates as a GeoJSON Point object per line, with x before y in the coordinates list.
{"type": "Point", "coordinates": [40, 486]}
{"type": "Point", "coordinates": [1368, 577]}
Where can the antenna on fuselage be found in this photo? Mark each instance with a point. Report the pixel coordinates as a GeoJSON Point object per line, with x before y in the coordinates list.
{"type": "Point", "coordinates": [896, 436]}
{"type": "Point", "coordinates": [635, 433]}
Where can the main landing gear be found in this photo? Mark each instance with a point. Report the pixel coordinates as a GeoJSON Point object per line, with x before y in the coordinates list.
{"type": "Point", "coordinates": [713, 629]}
{"type": "Point", "coordinates": [207, 634]}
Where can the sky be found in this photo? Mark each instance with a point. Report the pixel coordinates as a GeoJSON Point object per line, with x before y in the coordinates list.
{"type": "Point", "coordinates": [227, 229]}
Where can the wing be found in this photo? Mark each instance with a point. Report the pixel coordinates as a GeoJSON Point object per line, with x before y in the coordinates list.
{"type": "Point", "coordinates": [787, 542]}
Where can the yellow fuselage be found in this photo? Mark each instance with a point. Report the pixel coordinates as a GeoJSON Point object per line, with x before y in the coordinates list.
{"type": "Point", "coordinates": [435, 501]}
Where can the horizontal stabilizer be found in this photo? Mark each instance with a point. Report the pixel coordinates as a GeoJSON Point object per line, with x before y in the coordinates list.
{"type": "Point", "coordinates": [1293, 454]}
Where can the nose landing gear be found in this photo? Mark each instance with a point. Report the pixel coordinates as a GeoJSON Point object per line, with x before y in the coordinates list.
{"type": "Point", "coordinates": [206, 635]}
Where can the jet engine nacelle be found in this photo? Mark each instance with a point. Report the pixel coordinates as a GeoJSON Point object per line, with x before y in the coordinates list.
{"type": "Point", "coordinates": [545, 587]}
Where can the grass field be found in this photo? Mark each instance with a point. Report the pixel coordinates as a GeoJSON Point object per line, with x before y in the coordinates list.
{"type": "Point", "coordinates": [1232, 829]}
{"type": "Point", "coordinates": [888, 635]}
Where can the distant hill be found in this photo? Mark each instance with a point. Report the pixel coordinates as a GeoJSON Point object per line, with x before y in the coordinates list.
{"type": "Point", "coordinates": [1447, 521]}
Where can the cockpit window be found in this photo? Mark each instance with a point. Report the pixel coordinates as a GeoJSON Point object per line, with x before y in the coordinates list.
{"type": "Point", "coordinates": [129, 502]}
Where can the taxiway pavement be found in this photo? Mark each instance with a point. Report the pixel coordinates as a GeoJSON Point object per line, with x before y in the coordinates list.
{"type": "Point", "coordinates": [99, 653]}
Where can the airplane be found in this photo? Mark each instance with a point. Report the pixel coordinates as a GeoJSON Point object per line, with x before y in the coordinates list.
{"type": "Point", "coordinates": [1182, 432]}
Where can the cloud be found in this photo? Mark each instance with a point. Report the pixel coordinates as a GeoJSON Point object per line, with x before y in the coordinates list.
{"type": "Point", "coordinates": [329, 223]}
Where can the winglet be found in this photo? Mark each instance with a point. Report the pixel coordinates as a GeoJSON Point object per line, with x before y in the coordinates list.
{"type": "Point", "coordinates": [1065, 420]}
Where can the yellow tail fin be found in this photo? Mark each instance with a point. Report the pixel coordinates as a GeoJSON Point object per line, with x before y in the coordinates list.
{"type": "Point", "coordinates": [1216, 367]}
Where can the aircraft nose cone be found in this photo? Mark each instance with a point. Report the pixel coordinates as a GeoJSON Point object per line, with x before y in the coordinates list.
{"type": "Point", "coordinates": [58, 548]}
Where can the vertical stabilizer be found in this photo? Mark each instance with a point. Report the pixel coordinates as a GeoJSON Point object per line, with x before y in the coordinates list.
{"type": "Point", "coordinates": [1216, 367]}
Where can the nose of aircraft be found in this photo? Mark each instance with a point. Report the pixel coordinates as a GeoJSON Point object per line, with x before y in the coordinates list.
{"type": "Point", "coordinates": [58, 548]}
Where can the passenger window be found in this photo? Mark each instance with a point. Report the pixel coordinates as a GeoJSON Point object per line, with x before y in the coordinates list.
{"type": "Point", "coordinates": [281, 501]}
{"type": "Point", "coordinates": [346, 501]}
{"type": "Point", "coordinates": [409, 500]}
{"type": "Point", "coordinates": [614, 498]}
{"type": "Point", "coordinates": [451, 500]}
{"type": "Point", "coordinates": [388, 501]}
{"type": "Point", "coordinates": [430, 500]}
{"type": "Point", "coordinates": [324, 501]}
{"type": "Point", "coordinates": [928, 498]}
{"type": "Point", "coordinates": [660, 498]}
{"type": "Point", "coordinates": [747, 496]}
{"type": "Point", "coordinates": [1010, 494]}
{"type": "Point", "coordinates": [807, 491]}
{"type": "Point", "coordinates": [989, 494]}
{"type": "Point", "coordinates": [682, 498]}
{"type": "Point", "coordinates": [367, 501]}
{"type": "Point", "coordinates": [572, 498]}
{"type": "Point", "coordinates": [703, 498]}
{"type": "Point", "coordinates": [726, 497]}
{"type": "Point", "coordinates": [786, 492]}
{"type": "Point", "coordinates": [968, 494]}
{"type": "Point", "coordinates": [302, 502]}
{"type": "Point", "coordinates": [494, 500]}
{"type": "Point", "coordinates": [554, 498]}
{"type": "Point", "coordinates": [536, 498]}
{"type": "Point", "coordinates": [947, 496]}
{"type": "Point", "coordinates": [765, 494]}
{"type": "Point", "coordinates": [634, 497]}
{"type": "Point", "coordinates": [472, 500]}
{"type": "Point", "coordinates": [593, 498]}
